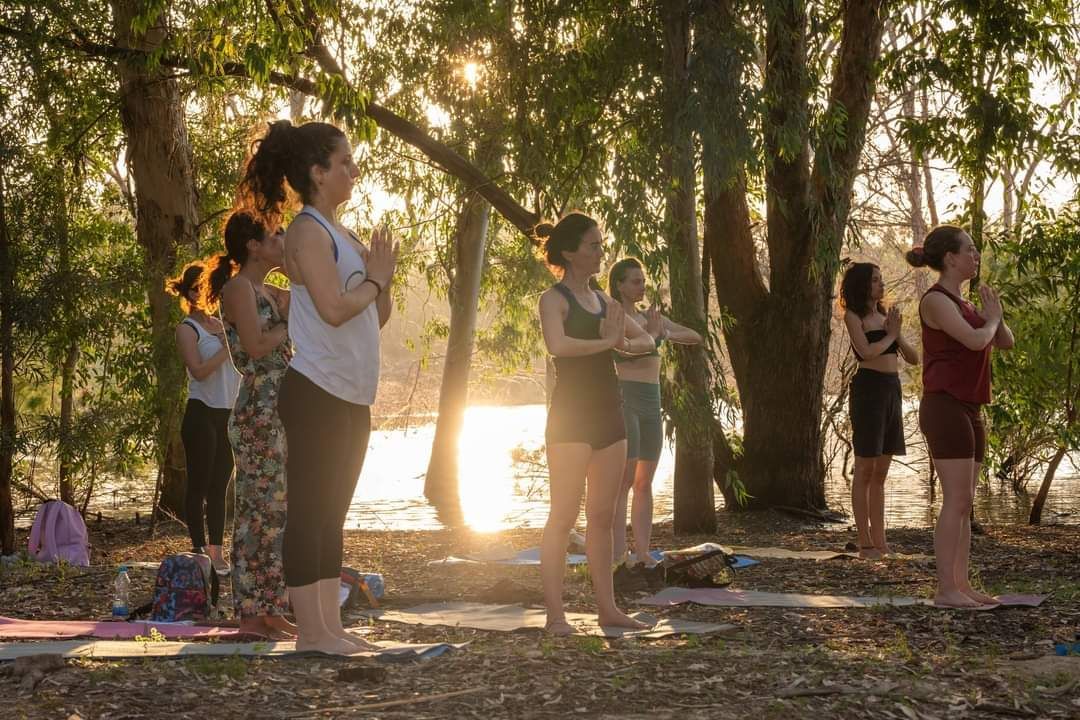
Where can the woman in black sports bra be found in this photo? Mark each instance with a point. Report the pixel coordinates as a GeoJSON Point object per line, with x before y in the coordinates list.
{"type": "Point", "coordinates": [874, 400]}
{"type": "Point", "coordinates": [586, 438]}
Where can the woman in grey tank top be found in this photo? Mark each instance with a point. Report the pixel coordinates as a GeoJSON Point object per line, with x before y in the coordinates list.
{"type": "Point", "coordinates": [339, 301]}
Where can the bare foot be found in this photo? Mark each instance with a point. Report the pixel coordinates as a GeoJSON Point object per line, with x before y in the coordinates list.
{"type": "Point", "coordinates": [869, 553]}
{"type": "Point", "coordinates": [329, 645]}
{"type": "Point", "coordinates": [955, 599]}
{"type": "Point", "coordinates": [885, 549]}
{"type": "Point", "coordinates": [217, 559]}
{"type": "Point", "coordinates": [559, 628]}
{"type": "Point", "coordinates": [619, 619]}
{"type": "Point", "coordinates": [361, 643]}
{"type": "Point", "coordinates": [278, 622]}
{"type": "Point", "coordinates": [981, 598]}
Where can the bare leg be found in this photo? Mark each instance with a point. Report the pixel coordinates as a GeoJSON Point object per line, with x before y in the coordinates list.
{"type": "Point", "coordinates": [312, 633]}
{"type": "Point", "coordinates": [963, 579]}
{"type": "Point", "coordinates": [877, 502]}
{"type": "Point", "coordinates": [955, 478]}
{"type": "Point", "coordinates": [619, 528]}
{"type": "Point", "coordinates": [602, 488]}
{"type": "Point", "coordinates": [860, 505]}
{"type": "Point", "coordinates": [642, 510]}
{"type": "Point", "coordinates": [567, 465]}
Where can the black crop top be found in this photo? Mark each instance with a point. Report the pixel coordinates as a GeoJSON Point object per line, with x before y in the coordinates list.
{"type": "Point", "coordinates": [872, 336]}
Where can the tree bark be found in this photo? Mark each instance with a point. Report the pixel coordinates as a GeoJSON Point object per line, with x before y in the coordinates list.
{"type": "Point", "coordinates": [779, 338]}
{"type": "Point", "coordinates": [691, 412]}
{"type": "Point", "coordinates": [71, 351]}
{"type": "Point", "coordinates": [441, 481]}
{"type": "Point", "coordinates": [159, 156]}
{"type": "Point", "coordinates": [8, 426]}
{"type": "Point", "coordinates": [67, 412]}
{"type": "Point", "coordinates": [1035, 517]}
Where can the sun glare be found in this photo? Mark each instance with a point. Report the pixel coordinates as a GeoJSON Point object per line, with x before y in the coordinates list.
{"type": "Point", "coordinates": [485, 468]}
{"type": "Point", "coordinates": [470, 71]}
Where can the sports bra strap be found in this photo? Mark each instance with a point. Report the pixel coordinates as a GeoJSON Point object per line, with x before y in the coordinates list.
{"type": "Point", "coordinates": [329, 232]}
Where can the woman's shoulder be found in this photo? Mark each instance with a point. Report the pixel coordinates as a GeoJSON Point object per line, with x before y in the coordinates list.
{"type": "Point", "coordinates": [554, 296]}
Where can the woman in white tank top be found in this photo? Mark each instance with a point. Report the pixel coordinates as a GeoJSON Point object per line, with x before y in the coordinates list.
{"type": "Point", "coordinates": [339, 300]}
{"type": "Point", "coordinates": [212, 384]}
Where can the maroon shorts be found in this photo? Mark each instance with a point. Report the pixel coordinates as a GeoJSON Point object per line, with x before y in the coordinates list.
{"type": "Point", "coordinates": [954, 429]}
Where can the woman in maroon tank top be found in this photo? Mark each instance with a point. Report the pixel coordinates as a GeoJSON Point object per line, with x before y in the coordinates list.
{"type": "Point", "coordinates": [957, 340]}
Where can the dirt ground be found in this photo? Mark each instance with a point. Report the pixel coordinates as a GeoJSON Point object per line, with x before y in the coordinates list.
{"type": "Point", "coordinates": [909, 663]}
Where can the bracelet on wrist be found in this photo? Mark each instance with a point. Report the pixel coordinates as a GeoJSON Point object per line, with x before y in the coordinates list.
{"type": "Point", "coordinates": [378, 287]}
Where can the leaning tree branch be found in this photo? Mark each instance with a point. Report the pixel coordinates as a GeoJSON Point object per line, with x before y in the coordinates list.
{"type": "Point", "coordinates": [443, 156]}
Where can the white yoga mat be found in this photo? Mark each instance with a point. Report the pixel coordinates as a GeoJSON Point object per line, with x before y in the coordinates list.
{"type": "Point", "coordinates": [507, 618]}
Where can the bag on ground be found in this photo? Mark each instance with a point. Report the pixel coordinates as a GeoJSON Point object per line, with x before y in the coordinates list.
{"type": "Point", "coordinates": [59, 533]}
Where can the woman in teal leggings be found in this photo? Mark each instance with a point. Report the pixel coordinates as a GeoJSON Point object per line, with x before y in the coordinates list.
{"type": "Point", "coordinates": [639, 381]}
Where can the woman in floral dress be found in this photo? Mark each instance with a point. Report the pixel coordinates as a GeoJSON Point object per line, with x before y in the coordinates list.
{"type": "Point", "coordinates": [254, 315]}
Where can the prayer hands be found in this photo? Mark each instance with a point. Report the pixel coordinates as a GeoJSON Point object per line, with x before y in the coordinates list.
{"type": "Point", "coordinates": [991, 303]}
{"type": "Point", "coordinates": [382, 256]}
{"type": "Point", "coordinates": [613, 326]}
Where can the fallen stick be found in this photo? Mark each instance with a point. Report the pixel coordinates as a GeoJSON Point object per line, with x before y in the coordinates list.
{"type": "Point", "coordinates": [1005, 710]}
{"type": "Point", "coordinates": [393, 703]}
{"type": "Point", "coordinates": [883, 689]}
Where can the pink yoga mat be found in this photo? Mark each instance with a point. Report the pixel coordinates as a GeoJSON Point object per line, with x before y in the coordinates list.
{"type": "Point", "coordinates": [38, 629]}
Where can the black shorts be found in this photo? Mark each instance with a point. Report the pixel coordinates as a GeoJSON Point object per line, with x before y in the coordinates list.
{"type": "Point", "coordinates": [574, 419]}
{"type": "Point", "coordinates": [877, 414]}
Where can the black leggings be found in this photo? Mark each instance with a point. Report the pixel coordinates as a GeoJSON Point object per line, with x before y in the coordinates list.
{"type": "Point", "coordinates": [327, 438]}
{"type": "Point", "coordinates": [209, 464]}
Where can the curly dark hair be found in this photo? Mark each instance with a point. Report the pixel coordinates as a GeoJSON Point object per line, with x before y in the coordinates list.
{"type": "Point", "coordinates": [855, 288]}
{"type": "Point", "coordinates": [241, 226]}
{"type": "Point", "coordinates": [286, 152]}
{"type": "Point", "coordinates": [189, 279]}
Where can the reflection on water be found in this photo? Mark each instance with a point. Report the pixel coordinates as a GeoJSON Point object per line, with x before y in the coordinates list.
{"type": "Point", "coordinates": [502, 486]}
{"type": "Point", "coordinates": [497, 493]}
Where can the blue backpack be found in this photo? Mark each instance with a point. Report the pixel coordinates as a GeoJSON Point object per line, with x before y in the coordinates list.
{"type": "Point", "coordinates": [186, 588]}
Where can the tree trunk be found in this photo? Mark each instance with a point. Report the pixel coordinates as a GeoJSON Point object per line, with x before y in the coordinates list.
{"type": "Point", "coordinates": [691, 411]}
{"type": "Point", "coordinates": [1044, 489]}
{"type": "Point", "coordinates": [7, 381]}
{"type": "Point", "coordinates": [978, 221]}
{"type": "Point", "coordinates": [441, 482]}
{"type": "Point", "coordinates": [67, 412]}
{"type": "Point", "coordinates": [1008, 200]}
{"type": "Point", "coordinates": [779, 340]}
{"type": "Point", "coordinates": [71, 351]}
{"type": "Point", "coordinates": [159, 156]}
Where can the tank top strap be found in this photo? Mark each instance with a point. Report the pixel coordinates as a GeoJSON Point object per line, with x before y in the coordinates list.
{"type": "Point", "coordinates": [570, 298]}
{"type": "Point", "coordinates": [316, 218]}
{"type": "Point", "coordinates": [199, 332]}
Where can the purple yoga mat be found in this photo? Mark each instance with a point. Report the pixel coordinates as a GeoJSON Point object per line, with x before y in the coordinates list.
{"type": "Point", "coordinates": [14, 628]}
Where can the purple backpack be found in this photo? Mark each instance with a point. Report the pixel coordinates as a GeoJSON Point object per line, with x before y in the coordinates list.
{"type": "Point", "coordinates": [59, 533]}
{"type": "Point", "coordinates": [185, 588]}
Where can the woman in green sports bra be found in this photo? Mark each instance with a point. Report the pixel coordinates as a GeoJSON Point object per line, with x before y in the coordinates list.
{"type": "Point", "coordinates": [639, 381]}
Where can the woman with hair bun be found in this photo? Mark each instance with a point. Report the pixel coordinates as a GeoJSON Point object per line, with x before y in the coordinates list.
{"type": "Point", "coordinates": [875, 400]}
{"type": "Point", "coordinates": [639, 383]}
{"type": "Point", "coordinates": [585, 433]}
{"type": "Point", "coordinates": [212, 383]}
{"type": "Point", "coordinates": [255, 316]}
{"type": "Point", "coordinates": [340, 298]}
{"type": "Point", "coordinates": [957, 341]}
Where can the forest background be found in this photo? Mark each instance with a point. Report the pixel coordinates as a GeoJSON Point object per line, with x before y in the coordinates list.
{"type": "Point", "coordinates": [743, 150]}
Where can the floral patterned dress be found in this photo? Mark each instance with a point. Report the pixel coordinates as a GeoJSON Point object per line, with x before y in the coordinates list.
{"type": "Point", "coordinates": [258, 443]}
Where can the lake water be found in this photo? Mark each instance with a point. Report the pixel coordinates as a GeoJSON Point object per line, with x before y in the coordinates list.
{"type": "Point", "coordinates": [501, 488]}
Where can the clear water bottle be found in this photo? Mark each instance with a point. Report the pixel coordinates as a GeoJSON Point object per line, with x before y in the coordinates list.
{"type": "Point", "coordinates": [123, 590]}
